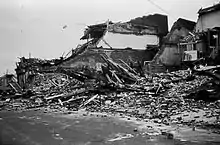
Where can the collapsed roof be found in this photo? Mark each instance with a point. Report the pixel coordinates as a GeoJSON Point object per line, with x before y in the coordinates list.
{"type": "Point", "coordinates": [156, 20]}
{"type": "Point", "coordinates": [121, 35]}
{"type": "Point", "coordinates": [137, 26]}
{"type": "Point", "coordinates": [138, 33]}
{"type": "Point", "coordinates": [97, 31]}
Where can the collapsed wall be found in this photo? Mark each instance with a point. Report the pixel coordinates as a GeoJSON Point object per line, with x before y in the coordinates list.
{"type": "Point", "coordinates": [135, 41]}
{"type": "Point", "coordinates": [132, 43]}
{"type": "Point", "coordinates": [92, 57]}
{"type": "Point", "coordinates": [169, 55]}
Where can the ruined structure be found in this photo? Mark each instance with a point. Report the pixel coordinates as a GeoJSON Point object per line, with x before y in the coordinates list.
{"type": "Point", "coordinates": [105, 74]}
{"type": "Point", "coordinates": [157, 20]}
{"type": "Point", "coordinates": [27, 68]}
{"type": "Point", "coordinates": [133, 42]}
{"type": "Point", "coordinates": [8, 84]}
{"type": "Point", "coordinates": [205, 40]}
{"type": "Point", "coordinates": [208, 24]}
{"type": "Point", "coordinates": [169, 54]}
{"type": "Point", "coordinates": [188, 41]}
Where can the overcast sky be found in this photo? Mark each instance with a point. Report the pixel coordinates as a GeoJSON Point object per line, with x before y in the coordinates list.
{"type": "Point", "coordinates": [36, 26]}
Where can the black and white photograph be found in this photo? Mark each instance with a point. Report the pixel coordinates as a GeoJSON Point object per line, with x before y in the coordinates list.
{"type": "Point", "coordinates": [109, 72]}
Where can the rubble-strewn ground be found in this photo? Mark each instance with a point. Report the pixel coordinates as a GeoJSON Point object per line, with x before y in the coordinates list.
{"type": "Point", "coordinates": [177, 105]}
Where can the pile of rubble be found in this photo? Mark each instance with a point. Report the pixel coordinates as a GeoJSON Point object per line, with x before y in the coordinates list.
{"type": "Point", "coordinates": [161, 97]}
{"type": "Point", "coordinates": [48, 83]}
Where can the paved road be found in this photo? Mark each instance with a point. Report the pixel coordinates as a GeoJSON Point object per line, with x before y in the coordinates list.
{"type": "Point", "coordinates": [41, 128]}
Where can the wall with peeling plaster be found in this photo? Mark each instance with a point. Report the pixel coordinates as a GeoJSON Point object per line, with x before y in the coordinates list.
{"type": "Point", "coordinates": [170, 56]}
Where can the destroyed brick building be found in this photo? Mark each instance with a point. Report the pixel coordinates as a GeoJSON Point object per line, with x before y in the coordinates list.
{"type": "Point", "coordinates": [133, 42]}
{"type": "Point", "coordinates": [143, 43]}
{"type": "Point", "coordinates": [169, 55]}
{"type": "Point", "coordinates": [121, 68]}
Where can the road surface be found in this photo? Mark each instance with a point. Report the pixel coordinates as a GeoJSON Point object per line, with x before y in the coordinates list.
{"type": "Point", "coordinates": [40, 127]}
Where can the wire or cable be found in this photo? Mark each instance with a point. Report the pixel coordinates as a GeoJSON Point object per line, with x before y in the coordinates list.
{"type": "Point", "coordinates": [159, 7]}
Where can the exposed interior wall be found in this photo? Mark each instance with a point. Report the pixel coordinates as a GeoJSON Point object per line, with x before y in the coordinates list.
{"type": "Point", "coordinates": [116, 40]}
{"type": "Point", "coordinates": [208, 21]}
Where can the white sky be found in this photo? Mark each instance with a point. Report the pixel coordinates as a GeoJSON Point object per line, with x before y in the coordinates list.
{"type": "Point", "coordinates": [35, 26]}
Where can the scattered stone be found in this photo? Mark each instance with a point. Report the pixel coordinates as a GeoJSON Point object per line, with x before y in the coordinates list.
{"type": "Point", "coordinates": [108, 102]}
{"type": "Point", "coordinates": [162, 99]}
{"type": "Point", "coordinates": [135, 130]}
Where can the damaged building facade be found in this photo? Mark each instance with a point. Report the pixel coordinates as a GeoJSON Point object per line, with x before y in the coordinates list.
{"type": "Point", "coordinates": [130, 44]}
{"type": "Point", "coordinates": [169, 54]}
{"type": "Point", "coordinates": [122, 68]}
{"type": "Point", "coordinates": [133, 42]}
{"type": "Point", "coordinates": [188, 41]}
{"type": "Point", "coordinates": [28, 68]}
{"type": "Point", "coordinates": [204, 42]}
{"type": "Point", "coordinates": [143, 44]}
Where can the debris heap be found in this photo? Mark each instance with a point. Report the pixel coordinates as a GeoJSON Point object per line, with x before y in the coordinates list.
{"type": "Point", "coordinates": [162, 97]}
